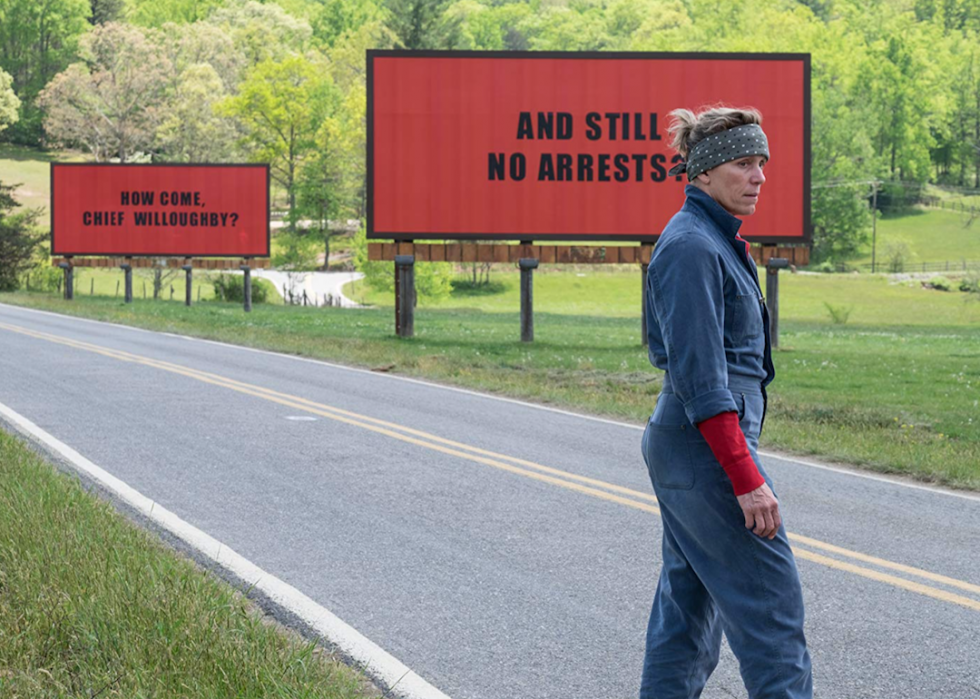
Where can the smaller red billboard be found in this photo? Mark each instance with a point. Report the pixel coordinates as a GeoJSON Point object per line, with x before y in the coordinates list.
{"type": "Point", "coordinates": [160, 210]}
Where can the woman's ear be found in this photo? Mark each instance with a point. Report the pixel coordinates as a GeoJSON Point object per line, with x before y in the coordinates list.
{"type": "Point", "coordinates": [704, 178]}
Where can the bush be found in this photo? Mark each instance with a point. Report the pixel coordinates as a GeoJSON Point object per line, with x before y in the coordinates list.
{"type": "Point", "coordinates": [433, 280]}
{"type": "Point", "coordinates": [19, 239]}
{"type": "Point", "coordinates": [970, 283]}
{"type": "Point", "coordinates": [838, 314]}
{"type": "Point", "coordinates": [43, 277]}
{"type": "Point", "coordinates": [827, 267]}
{"type": "Point", "coordinates": [231, 288]}
{"type": "Point", "coordinates": [941, 284]}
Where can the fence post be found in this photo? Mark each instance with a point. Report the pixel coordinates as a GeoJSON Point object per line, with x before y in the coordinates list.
{"type": "Point", "coordinates": [874, 226]}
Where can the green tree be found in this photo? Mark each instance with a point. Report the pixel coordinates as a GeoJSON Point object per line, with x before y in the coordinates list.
{"type": "Point", "coordinates": [156, 13]}
{"type": "Point", "coordinates": [262, 32]}
{"type": "Point", "coordinates": [280, 106]}
{"type": "Point", "coordinates": [19, 239]}
{"type": "Point", "coordinates": [105, 11]}
{"type": "Point", "coordinates": [191, 131]}
{"type": "Point", "coordinates": [38, 39]}
{"type": "Point", "coordinates": [338, 18]}
{"type": "Point", "coordinates": [187, 45]}
{"type": "Point", "coordinates": [572, 27]}
{"type": "Point", "coordinates": [420, 24]}
{"type": "Point", "coordinates": [9, 104]}
{"type": "Point", "coordinates": [113, 102]}
{"type": "Point", "coordinates": [491, 28]}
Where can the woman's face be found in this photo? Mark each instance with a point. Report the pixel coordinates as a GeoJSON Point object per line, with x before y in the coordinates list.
{"type": "Point", "coordinates": [736, 184]}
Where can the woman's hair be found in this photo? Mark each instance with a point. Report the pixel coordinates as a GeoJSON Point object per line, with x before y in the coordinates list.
{"type": "Point", "coordinates": [688, 128]}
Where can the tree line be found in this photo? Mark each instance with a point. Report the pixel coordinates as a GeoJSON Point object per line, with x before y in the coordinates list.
{"type": "Point", "coordinates": [895, 84]}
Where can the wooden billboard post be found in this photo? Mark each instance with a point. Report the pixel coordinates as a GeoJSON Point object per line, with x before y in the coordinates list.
{"type": "Point", "coordinates": [69, 279]}
{"type": "Point", "coordinates": [773, 265]}
{"type": "Point", "coordinates": [188, 279]}
{"type": "Point", "coordinates": [127, 269]}
{"type": "Point", "coordinates": [527, 265]}
{"type": "Point", "coordinates": [247, 282]}
{"type": "Point", "coordinates": [404, 295]}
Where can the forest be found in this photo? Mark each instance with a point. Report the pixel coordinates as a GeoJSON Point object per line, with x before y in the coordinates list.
{"type": "Point", "coordinates": [895, 83]}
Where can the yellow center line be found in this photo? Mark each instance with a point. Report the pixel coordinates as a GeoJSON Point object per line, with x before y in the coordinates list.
{"type": "Point", "coordinates": [540, 473]}
{"type": "Point", "coordinates": [926, 590]}
{"type": "Point", "coordinates": [935, 577]}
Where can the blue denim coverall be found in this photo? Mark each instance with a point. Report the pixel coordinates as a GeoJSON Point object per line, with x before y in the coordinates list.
{"type": "Point", "coordinates": [708, 328]}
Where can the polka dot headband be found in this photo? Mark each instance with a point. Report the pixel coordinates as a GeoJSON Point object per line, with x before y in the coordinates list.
{"type": "Point", "coordinates": [723, 147]}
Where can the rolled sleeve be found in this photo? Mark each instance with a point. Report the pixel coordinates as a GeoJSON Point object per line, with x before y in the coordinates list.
{"type": "Point", "coordinates": [687, 285]}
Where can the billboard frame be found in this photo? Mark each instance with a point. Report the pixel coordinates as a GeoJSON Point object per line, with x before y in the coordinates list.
{"type": "Point", "coordinates": [268, 210]}
{"type": "Point", "coordinates": [804, 58]}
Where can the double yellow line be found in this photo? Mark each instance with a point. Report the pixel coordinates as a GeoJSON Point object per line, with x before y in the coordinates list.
{"type": "Point", "coordinates": [610, 492]}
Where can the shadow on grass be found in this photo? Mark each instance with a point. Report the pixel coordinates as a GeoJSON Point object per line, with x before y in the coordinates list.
{"type": "Point", "coordinates": [467, 289]}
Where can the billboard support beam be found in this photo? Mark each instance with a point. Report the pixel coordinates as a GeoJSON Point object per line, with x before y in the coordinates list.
{"type": "Point", "coordinates": [127, 269]}
{"type": "Point", "coordinates": [772, 295]}
{"type": "Point", "coordinates": [69, 280]}
{"type": "Point", "coordinates": [188, 272]}
{"type": "Point", "coordinates": [404, 295]}
{"type": "Point", "coordinates": [248, 287]}
{"type": "Point", "coordinates": [527, 265]}
{"type": "Point", "coordinates": [647, 251]}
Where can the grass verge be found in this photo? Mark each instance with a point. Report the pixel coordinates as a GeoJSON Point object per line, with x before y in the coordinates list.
{"type": "Point", "coordinates": [895, 390]}
{"type": "Point", "coordinates": [90, 605]}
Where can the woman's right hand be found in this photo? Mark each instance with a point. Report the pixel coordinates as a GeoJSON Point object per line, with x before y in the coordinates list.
{"type": "Point", "coordinates": [761, 510]}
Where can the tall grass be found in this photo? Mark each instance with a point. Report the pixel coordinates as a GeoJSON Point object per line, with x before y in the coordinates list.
{"type": "Point", "coordinates": [92, 606]}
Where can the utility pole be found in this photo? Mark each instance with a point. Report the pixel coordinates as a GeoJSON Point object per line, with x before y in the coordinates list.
{"type": "Point", "coordinates": [874, 223]}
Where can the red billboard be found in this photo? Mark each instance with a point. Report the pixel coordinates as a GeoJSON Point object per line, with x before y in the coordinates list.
{"type": "Point", "coordinates": [160, 210]}
{"type": "Point", "coordinates": [567, 146]}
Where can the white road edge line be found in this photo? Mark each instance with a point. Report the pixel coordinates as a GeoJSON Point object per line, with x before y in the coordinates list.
{"type": "Point", "coordinates": [490, 396]}
{"type": "Point", "coordinates": [372, 659]}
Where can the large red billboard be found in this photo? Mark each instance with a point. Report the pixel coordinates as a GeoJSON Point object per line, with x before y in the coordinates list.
{"type": "Point", "coordinates": [160, 210]}
{"type": "Point", "coordinates": [567, 146]}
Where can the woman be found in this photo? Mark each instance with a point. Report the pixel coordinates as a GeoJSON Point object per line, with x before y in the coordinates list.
{"type": "Point", "coordinates": [727, 565]}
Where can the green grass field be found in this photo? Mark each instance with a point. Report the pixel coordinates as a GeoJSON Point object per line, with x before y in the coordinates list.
{"type": "Point", "coordinates": [872, 299]}
{"type": "Point", "coordinates": [930, 235]}
{"type": "Point", "coordinates": [92, 606]}
{"type": "Point", "coordinates": [895, 388]}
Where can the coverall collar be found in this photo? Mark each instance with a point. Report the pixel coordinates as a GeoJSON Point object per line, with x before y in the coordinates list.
{"type": "Point", "coordinates": [702, 202]}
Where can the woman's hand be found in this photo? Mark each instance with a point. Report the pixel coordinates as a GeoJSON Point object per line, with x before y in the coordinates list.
{"type": "Point", "coordinates": [761, 510]}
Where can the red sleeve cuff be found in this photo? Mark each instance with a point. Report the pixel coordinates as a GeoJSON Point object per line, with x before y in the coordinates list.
{"type": "Point", "coordinates": [724, 435]}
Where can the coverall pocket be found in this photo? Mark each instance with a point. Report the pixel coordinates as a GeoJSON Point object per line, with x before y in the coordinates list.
{"type": "Point", "coordinates": [668, 457]}
{"type": "Point", "coordinates": [747, 320]}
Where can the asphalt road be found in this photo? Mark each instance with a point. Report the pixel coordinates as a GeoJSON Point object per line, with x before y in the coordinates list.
{"type": "Point", "coordinates": [500, 550]}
